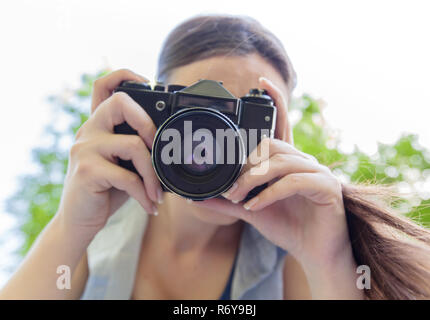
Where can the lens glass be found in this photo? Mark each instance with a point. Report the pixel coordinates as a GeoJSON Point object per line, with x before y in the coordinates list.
{"type": "Point", "coordinates": [198, 153]}
{"type": "Point", "coordinates": [202, 157]}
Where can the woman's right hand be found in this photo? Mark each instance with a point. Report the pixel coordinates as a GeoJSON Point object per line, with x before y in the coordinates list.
{"type": "Point", "coordinates": [95, 185]}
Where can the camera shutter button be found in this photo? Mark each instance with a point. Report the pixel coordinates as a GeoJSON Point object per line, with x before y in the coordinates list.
{"type": "Point", "coordinates": [260, 96]}
{"type": "Point", "coordinates": [159, 87]}
{"type": "Point", "coordinates": [175, 87]}
{"type": "Point", "coordinates": [257, 92]}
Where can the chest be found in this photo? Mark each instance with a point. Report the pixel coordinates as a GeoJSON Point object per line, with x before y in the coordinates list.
{"type": "Point", "coordinates": [187, 278]}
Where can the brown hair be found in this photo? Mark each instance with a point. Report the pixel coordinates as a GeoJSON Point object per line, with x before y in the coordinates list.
{"type": "Point", "coordinates": [207, 36]}
{"type": "Point", "coordinates": [395, 248]}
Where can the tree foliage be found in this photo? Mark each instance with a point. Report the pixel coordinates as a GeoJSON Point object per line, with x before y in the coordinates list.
{"type": "Point", "coordinates": [404, 164]}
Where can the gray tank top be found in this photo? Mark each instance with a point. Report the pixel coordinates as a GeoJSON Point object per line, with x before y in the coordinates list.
{"type": "Point", "coordinates": [114, 252]}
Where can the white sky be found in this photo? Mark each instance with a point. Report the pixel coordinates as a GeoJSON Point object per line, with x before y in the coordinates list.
{"type": "Point", "coordinates": [369, 60]}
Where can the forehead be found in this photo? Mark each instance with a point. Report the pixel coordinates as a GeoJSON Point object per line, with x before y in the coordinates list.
{"type": "Point", "coordinates": [238, 73]}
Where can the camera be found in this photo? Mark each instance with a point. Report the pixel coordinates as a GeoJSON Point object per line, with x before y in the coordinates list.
{"type": "Point", "coordinates": [204, 134]}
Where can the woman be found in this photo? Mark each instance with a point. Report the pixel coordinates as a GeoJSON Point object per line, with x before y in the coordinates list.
{"type": "Point", "coordinates": [303, 237]}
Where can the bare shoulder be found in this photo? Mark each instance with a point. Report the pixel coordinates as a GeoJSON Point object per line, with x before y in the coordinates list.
{"type": "Point", "coordinates": [295, 283]}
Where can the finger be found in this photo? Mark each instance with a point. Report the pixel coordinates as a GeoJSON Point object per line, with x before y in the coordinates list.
{"type": "Point", "coordinates": [112, 176]}
{"type": "Point", "coordinates": [132, 147]}
{"type": "Point", "coordinates": [279, 165]}
{"type": "Point", "coordinates": [121, 108]}
{"type": "Point", "coordinates": [317, 187]}
{"type": "Point", "coordinates": [224, 207]}
{"type": "Point", "coordinates": [104, 86]}
{"type": "Point", "coordinates": [268, 148]}
{"type": "Point", "coordinates": [283, 128]}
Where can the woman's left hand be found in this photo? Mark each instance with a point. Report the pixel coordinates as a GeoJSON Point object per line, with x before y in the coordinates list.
{"type": "Point", "coordinates": [302, 208]}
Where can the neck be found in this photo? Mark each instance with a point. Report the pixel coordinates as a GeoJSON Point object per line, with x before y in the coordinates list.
{"type": "Point", "coordinates": [185, 228]}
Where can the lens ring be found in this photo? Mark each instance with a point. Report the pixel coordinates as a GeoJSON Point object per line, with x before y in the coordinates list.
{"type": "Point", "coordinates": [179, 178]}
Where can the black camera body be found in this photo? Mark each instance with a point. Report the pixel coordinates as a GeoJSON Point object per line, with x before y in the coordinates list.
{"type": "Point", "coordinates": [209, 107]}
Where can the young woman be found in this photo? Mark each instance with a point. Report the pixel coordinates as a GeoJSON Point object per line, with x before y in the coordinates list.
{"type": "Point", "coordinates": [303, 237]}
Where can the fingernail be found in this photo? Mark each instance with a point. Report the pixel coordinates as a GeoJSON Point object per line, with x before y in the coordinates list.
{"type": "Point", "coordinates": [230, 191]}
{"type": "Point", "coordinates": [155, 211]}
{"type": "Point", "coordinates": [189, 201]}
{"type": "Point", "coordinates": [250, 203]}
{"type": "Point", "coordinates": [160, 196]}
{"type": "Point", "coordinates": [235, 201]}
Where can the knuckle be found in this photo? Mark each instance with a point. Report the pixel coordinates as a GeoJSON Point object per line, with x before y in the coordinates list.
{"type": "Point", "coordinates": [76, 149]}
{"type": "Point", "coordinates": [294, 178]}
{"type": "Point", "coordinates": [80, 132]}
{"type": "Point", "coordinates": [275, 188]}
{"type": "Point", "coordinates": [97, 83]}
{"type": "Point", "coordinates": [135, 142]}
{"type": "Point", "coordinates": [279, 157]}
{"type": "Point", "coordinates": [280, 161]}
{"type": "Point", "coordinates": [83, 129]}
{"type": "Point", "coordinates": [326, 170]}
{"type": "Point", "coordinates": [312, 158]}
{"type": "Point", "coordinates": [84, 169]}
{"type": "Point", "coordinates": [119, 98]}
{"type": "Point", "coordinates": [133, 179]}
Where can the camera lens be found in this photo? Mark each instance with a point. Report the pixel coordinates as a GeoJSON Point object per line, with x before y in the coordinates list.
{"type": "Point", "coordinates": [194, 158]}
{"type": "Point", "coordinates": [198, 153]}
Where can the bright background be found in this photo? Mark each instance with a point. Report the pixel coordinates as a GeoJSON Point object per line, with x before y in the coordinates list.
{"type": "Point", "coordinates": [368, 60]}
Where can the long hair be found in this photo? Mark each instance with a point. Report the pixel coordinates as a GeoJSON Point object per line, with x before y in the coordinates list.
{"type": "Point", "coordinates": [396, 249]}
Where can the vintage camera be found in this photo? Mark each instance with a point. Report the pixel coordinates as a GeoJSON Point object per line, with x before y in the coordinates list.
{"type": "Point", "coordinates": [204, 134]}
